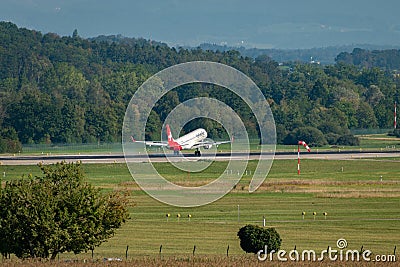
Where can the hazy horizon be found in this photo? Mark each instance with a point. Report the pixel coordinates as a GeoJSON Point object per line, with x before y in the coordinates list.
{"type": "Point", "coordinates": [261, 24]}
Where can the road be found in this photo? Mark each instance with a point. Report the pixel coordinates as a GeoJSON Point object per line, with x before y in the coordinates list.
{"type": "Point", "coordinates": [119, 158]}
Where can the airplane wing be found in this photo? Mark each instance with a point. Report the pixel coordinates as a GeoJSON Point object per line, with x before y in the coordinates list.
{"type": "Point", "coordinates": [150, 143]}
{"type": "Point", "coordinates": [209, 144]}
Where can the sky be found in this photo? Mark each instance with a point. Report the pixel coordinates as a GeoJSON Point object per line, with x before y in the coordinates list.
{"type": "Point", "coordinates": [251, 23]}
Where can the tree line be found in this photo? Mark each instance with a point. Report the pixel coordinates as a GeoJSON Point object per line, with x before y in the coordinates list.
{"type": "Point", "coordinates": [385, 59]}
{"type": "Point", "coordinates": [67, 89]}
{"type": "Point", "coordinates": [324, 55]}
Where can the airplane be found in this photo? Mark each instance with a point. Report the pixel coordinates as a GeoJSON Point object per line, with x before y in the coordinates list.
{"type": "Point", "coordinates": [192, 140]}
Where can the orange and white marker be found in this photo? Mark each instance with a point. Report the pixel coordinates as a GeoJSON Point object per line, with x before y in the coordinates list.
{"type": "Point", "coordinates": [395, 116]}
{"type": "Point", "coordinates": [298, 153]}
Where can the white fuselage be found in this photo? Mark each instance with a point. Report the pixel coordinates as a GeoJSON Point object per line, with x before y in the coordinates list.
{"type": "Point", "coordinates": [189, 140]}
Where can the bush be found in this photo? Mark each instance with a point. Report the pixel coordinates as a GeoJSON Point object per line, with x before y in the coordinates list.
{"type": "Point", "coordinates": [332, 127]}
{"type": "Point", "coordinates": [254, 238]}
{"type": "Point", "coordinates": [10, 146]}
{"type": "Point", "coordinates": [348, 140]}
{"type": "Point", "coordinates": [310, 135]}
{"type": "Point", "coordinates": [9, 142]}
{"type": "Point", "coordinates": [332, 138]}
{"type": "Point", "coordinates": [281, 133]}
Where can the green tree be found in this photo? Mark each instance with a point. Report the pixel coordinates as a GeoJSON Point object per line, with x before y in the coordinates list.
{"type": "Point", "coordinates": [254, 238]}
{"type": "Point", "coordinates": [153, 127]}
{"type": "Point", "coordinates": [70, 89]}
{"type": "Point", "coordinates": [365, 116]}
{"type": "Point", "coordinates": [9, 141]}
{"type": "Point", "coordinates": [166, 104]}
{"type": "Point", "coordinates": [310, 135]}
{"type": "Point", "coordinates": [373, 95]}
{"type": "Point", "coordinates": [348, 140]}
{"type": "Point", "coordinates": [75, 34]}
{"type": "Point", "coordinates": [57, 212]}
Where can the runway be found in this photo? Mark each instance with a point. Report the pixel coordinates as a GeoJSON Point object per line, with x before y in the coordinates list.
{"type": "Point", "coordinates": [119, 158]}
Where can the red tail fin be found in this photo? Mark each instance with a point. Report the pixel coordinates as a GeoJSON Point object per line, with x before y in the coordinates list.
{"type": "Point", "coordinates": [173, 145]}
{"type": "Point", "coordinates": [169, 134]}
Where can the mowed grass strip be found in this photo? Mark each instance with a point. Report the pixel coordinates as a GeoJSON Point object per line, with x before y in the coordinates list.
{"type": "Point", "coordinates": [368, 222]}
{"type": "Point", "coordinates": [361, 208]}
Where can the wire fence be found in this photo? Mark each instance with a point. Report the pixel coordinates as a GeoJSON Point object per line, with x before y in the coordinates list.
{"type": "Point", "coordinates": [371, 131]}
{"type": "Point", "coordinates": [91, 148]}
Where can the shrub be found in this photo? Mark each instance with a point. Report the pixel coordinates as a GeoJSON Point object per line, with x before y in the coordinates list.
{"type": "Point", "coordinates": [9, 142]}
{"type": "Point", "coordinates": [310, 135]}
{"type": "Point", "coordinates": [332, 138]}
{"type": "Point", "coordinates": [348, 140]}
{"type": "Point", "coordinates": [10, 146]}
{"type": "Point", "coordinates": [281, 133]}
{"type": "Point", "coordinates": [254, 238]}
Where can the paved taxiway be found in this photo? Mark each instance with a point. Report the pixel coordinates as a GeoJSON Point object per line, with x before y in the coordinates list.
{"type": "Point", "coordinates": [119, 158]}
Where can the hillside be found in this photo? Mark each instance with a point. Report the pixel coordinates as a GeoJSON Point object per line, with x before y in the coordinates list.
{"type": "Point", "coordinates": [68, 89]}
{"type": "Point", "coordinates": [323, 55]}
{"type": "Point", "coordinates": [385, 59]}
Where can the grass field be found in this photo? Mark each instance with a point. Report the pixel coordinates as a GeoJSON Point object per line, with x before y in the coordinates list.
{"type": "Point", "coordinates": [362, 207]}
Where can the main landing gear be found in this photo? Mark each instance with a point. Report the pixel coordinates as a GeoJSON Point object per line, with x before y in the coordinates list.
{"type": "Point", "coordinates": [197, 152]}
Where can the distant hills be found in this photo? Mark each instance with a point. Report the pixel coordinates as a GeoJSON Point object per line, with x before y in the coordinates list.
{"type": "Point", "coordinates": [323, 55]}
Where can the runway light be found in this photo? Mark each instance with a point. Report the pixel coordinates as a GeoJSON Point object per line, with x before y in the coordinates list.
{"type": "Point", "coordinates": [314, 214]}
{"type": "Point", "coordinates": [302, 214]}
{"type": "Point", "coordinates": [189, 216]}
{"type": "Point", "coordinates": [178, 216]}
{"type": "Point", "coordinates": [325, 214]}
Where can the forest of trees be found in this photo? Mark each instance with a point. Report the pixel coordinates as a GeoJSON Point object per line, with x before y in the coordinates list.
{"type": "Point", "coordinates": [385, 59]}
{"type": "Point", "coordinates": [324, 55]}
{"type": "Point", "coordinates": [73, 90]}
